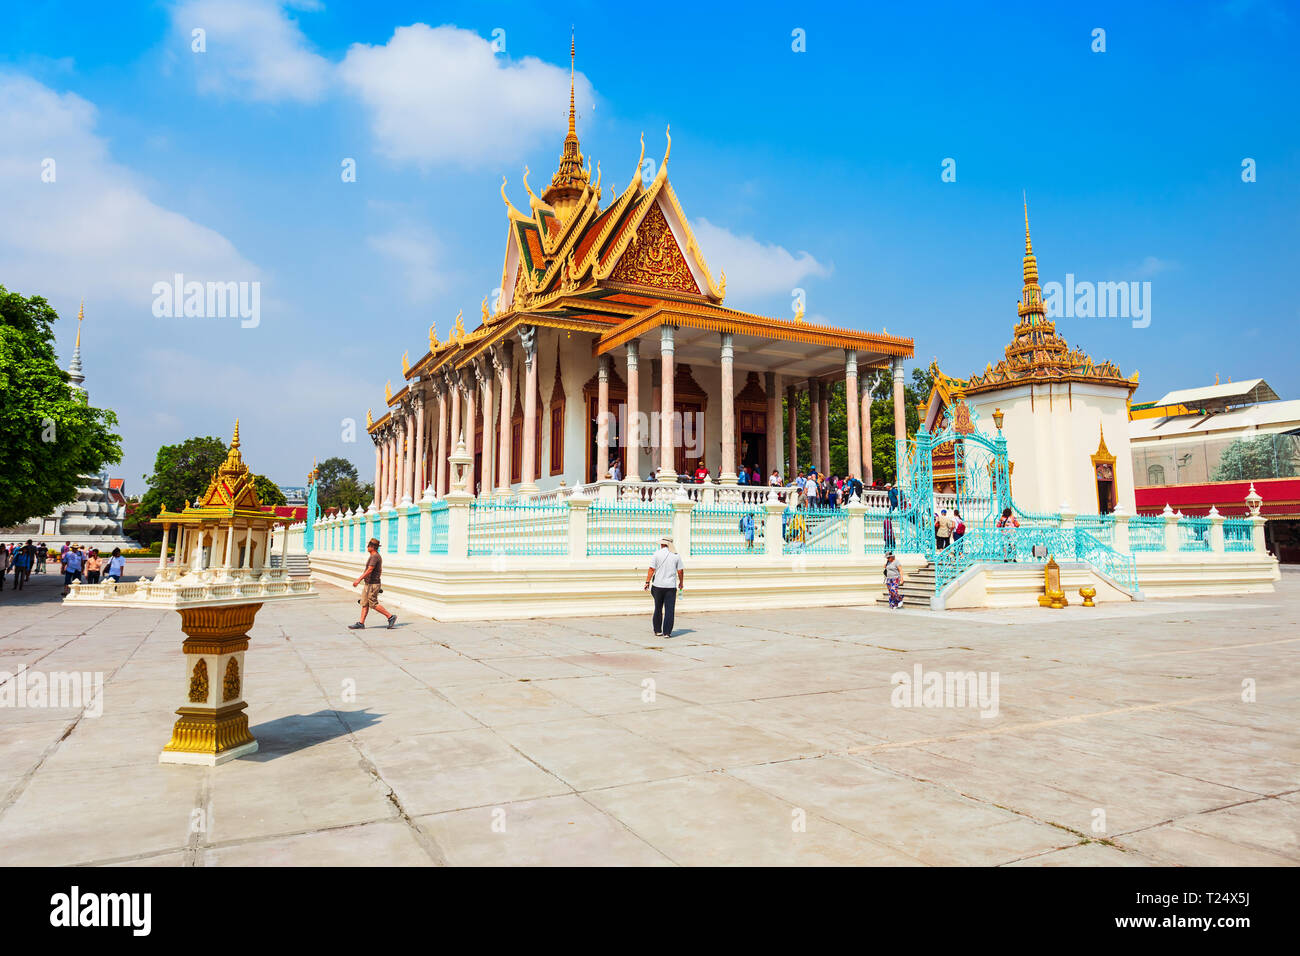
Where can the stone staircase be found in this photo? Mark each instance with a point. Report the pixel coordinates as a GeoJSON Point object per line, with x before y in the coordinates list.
{"type": "Point", "coordinates": [299, 564]}
{"type": "Point", "coordinates": [918, 587]}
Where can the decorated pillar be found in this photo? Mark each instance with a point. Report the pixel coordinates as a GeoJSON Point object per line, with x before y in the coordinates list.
{"type": "Point", "coordinates": [162, 552]}
{"type": "Point", "coordinates": [471, 424]}
{"type": "Point", "coordinates": [667, 463]}
{"type": "Point", "coordinates": [487, 393]}
{"type": "Point", "coordinates": [814, 423]}
{"type": "Point", "coordinates": [421, 454]}
{"type": "Point", "coordinates": [727, 469]}
{"type": "Point", "coordinates": [825, 418]}
{"type": "Point", "coordinates": [457, 423]}
{"type": "Point", "coordinates": [792, 430]}
{"type": "Point", "coordinates": [602, 417]}
{"type": "Point", "coordinates": [528, 473]}
{"type": "Point", "coordinates": [379, 468]}
{"type": "Point", "coordinates": [633, 410]}
{"type": "Point", "coordinates": [502, 359]}
{"type": "Point", "coordinates": [406, 437]}
{"type": "Point", "coordinates": [852, 425]}
{"type": "Point", "coordinates": [440, 453]}
{"type": "Point", "coordinates": [773, 389]}
{"type": "Point", "coordinates": [868, 464]}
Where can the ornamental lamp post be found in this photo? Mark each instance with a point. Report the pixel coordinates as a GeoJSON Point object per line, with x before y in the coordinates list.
{"type": "Point", "coordinates": [217, 604]}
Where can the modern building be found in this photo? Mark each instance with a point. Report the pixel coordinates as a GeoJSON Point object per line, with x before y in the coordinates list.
{"type": "Point", "coordinates": [1200, 448]}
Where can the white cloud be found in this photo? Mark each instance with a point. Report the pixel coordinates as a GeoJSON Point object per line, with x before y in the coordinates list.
{"type": "Point", "coordinates": [93, 230]}
{"type": "Point", "coordinates": [254, 50]}
{"type": "Point", "coordinates": [414, 252]}
{"type": "Point", "coordinates": [754, 268]}
{"type": "Point", "coordinates": [1152, 265]}
{"type": "Point", "coordinates": [440, 95]}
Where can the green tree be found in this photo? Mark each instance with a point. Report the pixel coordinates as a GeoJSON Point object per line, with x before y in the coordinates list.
{"type": "Point", "coordinates": [339, 486]}
{"type": "Point", "coordinates": [181, 474]}
{"type": "Point", "coordinates": [1264, 456]}
{"type": "Point", "coordinates": [49, 434]}
{"type": "Point", "coordinates": [268, 492]}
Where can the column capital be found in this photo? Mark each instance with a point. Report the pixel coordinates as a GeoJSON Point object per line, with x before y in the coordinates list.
{"type": "Point", "coordinates": [633, 353]}
{"type": "Point", "coordinates": [666, 337]}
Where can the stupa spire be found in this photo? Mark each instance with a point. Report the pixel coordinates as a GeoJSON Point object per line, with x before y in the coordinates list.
{"type": "Point", "coordinates": [1031, 295]}
{"type": "Point", "coordinates": [75, 375]}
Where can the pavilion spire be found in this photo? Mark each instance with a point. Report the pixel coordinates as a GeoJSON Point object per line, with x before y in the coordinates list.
{"type": "Point", "coordinates": [571, 179]}
{"type": "Point", "coordinates": [1031, 295]}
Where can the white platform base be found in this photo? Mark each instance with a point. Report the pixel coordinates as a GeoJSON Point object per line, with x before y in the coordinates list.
{"type": "Point", "coordinates": [207, 760]}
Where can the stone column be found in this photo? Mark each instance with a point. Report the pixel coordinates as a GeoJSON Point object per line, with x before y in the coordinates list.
{"type": "Point", "coordinates": [900, 407]}
{"type": "Point", "coordinates": [440, 454]}
{"type": "Point", "coordinates": [230, 544]}
{"type": "Point", "coordinates": [773, 390]}
{"type": "Point", "coordinates": [487, 386]}
{"type": "Point", "coordinates": [602, 417]}
{"type": "Point", "coordinates": [407, 440]}
{"type": "Point", "coordinates": [457, 424]}
{"type": "Point", "coordinates": [727, 468]}
{"type": "Point", "coordinates": [503, 360]}
{"type": "Point", "coordinates": [792, 431]}
{"type": "Point", "coordinates": [379, 469]}
{"type": "Point", "coordinates": [814, 422]}
{"type": "Point", "coordinates": [390, 468]}
{"type": "Point", "coordinates": [528, 476]}
{"type": "Point", "coordinates": [852, 426]}
{"type": "Point", "coordinates": [471, 422]}
{"type": "Point", "coordinates": [421, 456]}
{"type": "Point", "coordinates": [825, 418]}
{"type": "Point", "coordinates": [248, 548]}
{"type": "Point", "coordinates": [667, 465]}
{"type": "Point", "coordinates": [632, 409]}
{"type": "Point", "coordinates": [868, 464]}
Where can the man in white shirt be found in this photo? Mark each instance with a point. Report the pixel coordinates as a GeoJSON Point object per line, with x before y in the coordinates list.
{"type": "Point", "coordinates": [665, 577]}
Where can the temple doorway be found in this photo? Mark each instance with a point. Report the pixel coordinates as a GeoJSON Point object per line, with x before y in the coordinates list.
{"type": "Point", "coordinates": [751, 426]}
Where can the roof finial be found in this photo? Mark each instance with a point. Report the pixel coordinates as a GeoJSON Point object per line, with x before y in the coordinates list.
{"type": "Point", "coordinates": [75, 375]}
{"type": "Point", "coordinates": [81, 314]}
{"type": "Point", "coordinates": [234, 442]}
{"type": "Point", "coordinates": [1029, 249]}
{"type": "Point", "coordinates": [573, 52]}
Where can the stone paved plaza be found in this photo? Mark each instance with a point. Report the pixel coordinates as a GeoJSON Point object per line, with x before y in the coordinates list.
{"type": "Point", "coordinates": [747, 738]}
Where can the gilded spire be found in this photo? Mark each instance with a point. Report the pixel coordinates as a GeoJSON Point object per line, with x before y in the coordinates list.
{"type": "Point", "coordinates": [571, 178]}
{"type": "Point", "coordinates": [1031, 295]}
{"type": "Point", "coordinates": [234, 442]}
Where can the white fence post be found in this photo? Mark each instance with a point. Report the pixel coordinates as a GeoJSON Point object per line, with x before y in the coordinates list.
{"type": "Point", "coordinates": [1171, 530]}
{"type": "Point", "coordinates": [579, 514]}
{"type": "Point", "coordinates": [1121, 543]}
{"type": "Point", "coordinates": [682, 508]}
{"type": "Point", "coordinates": [773, 532]}
{"type": "Point", "coordinates": [856, 512]}
{"type": "Point", "coordinates": [1216, 531]}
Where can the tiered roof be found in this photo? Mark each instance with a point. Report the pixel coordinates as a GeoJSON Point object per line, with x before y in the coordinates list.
{"type": "Point", "coordinates": [231, 494]}
{"type": "Point", "coordinates": [1037, 352]}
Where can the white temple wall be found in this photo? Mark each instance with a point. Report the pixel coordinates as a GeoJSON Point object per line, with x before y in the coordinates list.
{"type": "Point", "coordinates": [1051, 438]}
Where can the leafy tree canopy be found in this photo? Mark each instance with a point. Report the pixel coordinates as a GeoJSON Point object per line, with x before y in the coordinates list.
{"type": "Point", "coordinates": [338, 485]}
{"type": "Point", "coordinates": [49, 434]}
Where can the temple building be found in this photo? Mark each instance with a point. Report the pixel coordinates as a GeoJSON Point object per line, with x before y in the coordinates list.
{"type": "Point", "coordinates": [95, 518]}
{"type": "Point", "coordinates": [1065, 416]}
{"type": "Point", "coordinates": [610, 351]}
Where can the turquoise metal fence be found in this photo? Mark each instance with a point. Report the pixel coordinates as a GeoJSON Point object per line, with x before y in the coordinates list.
{"type": "Point", "coordinates": [374, 530]}
{"type": "Point", "coordinates": [1120, 568]}
{"type": "Point", "coordinates": [1146, 533]}
{"type": "Point", "coordinates": [392, 533]}
{"type": "Point", "coordinates": [815, 531]}
{"type": "Point", "coordinates": [527, 528]}
{"type": "Point", "coordinates": [627, 527]}
{"type": "Point", "coordinates": [1101, 527]}
{"type": "Point", "coordinates": [413, 530]}
{"type": "Point", "coordinates": [438, 528]}
{"type": "Point", "coordinates": [1193, 534]}
{"type": "Point", "coordinates": [1001, 544]}
{"type": "Point", "coordinates": [352, 535]}
{"type": "Point", "coordinates": [878, 532]}
{"type": "Point", "coordinates": [1238, 535]}
{"type": "Point", "coordinates": [727, 529]}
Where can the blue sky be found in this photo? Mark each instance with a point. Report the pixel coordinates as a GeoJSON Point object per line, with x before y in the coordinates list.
{"type": "Point", "coordinates": [818, 170]}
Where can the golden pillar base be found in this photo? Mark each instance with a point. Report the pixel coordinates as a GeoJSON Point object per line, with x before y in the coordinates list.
{"type": "Point", "coordinates": [212, 727]}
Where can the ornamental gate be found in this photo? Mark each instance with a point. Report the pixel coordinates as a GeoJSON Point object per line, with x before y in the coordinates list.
{"type": "Point", "coordinates": [980, 477]}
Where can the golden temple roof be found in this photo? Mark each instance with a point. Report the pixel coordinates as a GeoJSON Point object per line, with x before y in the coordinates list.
{"type": "Point", "coordinates": [1037, 352]}
{"type": "Point", "coordinates": [231, 494]}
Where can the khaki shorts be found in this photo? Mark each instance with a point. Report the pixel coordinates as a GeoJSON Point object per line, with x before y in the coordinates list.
{"type": "Point", "coordinates": [370, 595]}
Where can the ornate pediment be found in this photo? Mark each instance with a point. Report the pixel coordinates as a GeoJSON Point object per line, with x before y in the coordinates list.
{"type": "Point", "coordinates": [654, 259]}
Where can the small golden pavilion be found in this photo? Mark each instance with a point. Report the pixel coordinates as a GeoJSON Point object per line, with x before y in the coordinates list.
{"type": "Point", "coordinates": [599, 286]}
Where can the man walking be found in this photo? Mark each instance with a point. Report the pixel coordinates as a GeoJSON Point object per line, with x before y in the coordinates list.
{"type": "Point", "coordinates": [370, 590]}
{"type": "Point", "coordinates": [664, 579]}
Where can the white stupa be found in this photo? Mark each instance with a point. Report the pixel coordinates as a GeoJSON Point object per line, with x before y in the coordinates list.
{"type": "Point", "coordinates": [94, 519]}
